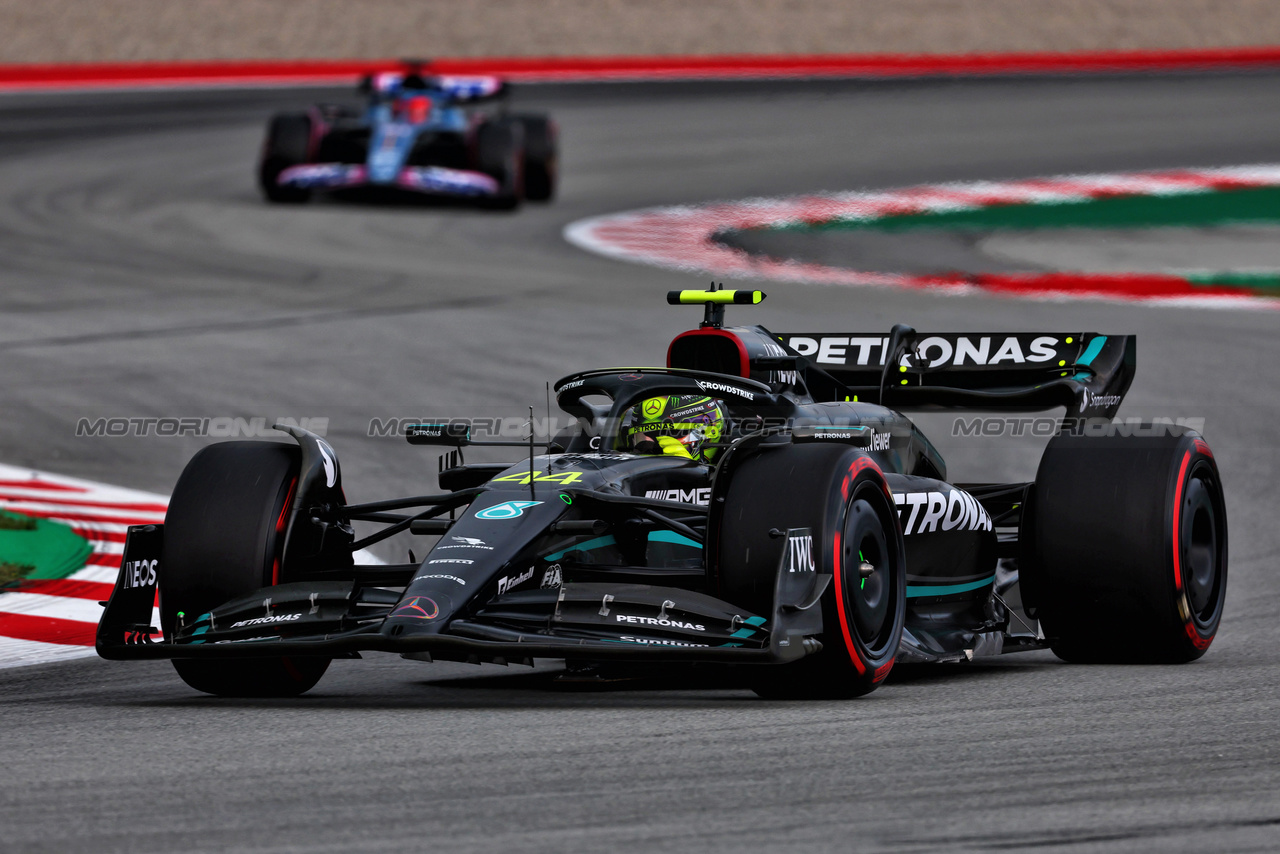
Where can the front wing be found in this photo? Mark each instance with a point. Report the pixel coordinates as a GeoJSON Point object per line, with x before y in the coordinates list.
{"type": "Point", "coordinates": [337, 619]}
{"type": "Point", "coordinates": [431, 180]}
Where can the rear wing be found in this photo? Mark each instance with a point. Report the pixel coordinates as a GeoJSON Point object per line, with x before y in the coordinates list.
{"type": "Point", "coordinates": [460, 89]}
{"type": "Point", "coordinates": [1086, 372]}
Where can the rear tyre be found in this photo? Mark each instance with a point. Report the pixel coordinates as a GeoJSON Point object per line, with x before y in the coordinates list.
{"type": "Point", "coordinates": [500, 153]}
{"type": "Point", "coordinates": [223, 535]}
{"type": "Point", "coordinates": [1129, 548]}
{"type": "Point", "coordinates": [840, 494]}
{"type": "Point", "coordinates": [288, 143]}
{"type": "Point", "coordinates": [541, 157]}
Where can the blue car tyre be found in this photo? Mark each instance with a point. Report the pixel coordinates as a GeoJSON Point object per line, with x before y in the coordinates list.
{"type": "Point", "coordinates": [288, 143]}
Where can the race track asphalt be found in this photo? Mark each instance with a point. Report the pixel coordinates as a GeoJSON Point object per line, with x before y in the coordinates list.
{"type": "Point", "coordinates": [141, 276]}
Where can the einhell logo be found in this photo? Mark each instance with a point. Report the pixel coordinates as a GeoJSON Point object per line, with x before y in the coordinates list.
{"type": "Point", "coordinates": [507, 582]}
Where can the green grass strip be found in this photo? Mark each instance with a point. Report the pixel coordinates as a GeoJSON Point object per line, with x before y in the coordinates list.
{"type": "Point", "coordinates": [1267, 282]}
{"type": "Point", "coordinates": [31, 547]}
{"type": "Point", "coordinates": [1202, 209]}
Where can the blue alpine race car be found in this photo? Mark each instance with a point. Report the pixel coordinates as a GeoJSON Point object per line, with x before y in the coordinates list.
{"type": "Point", "coordinates": [419, 134]}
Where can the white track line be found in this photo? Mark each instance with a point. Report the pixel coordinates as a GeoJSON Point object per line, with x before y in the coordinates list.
{"type": "Point", "coordinates": [58, 607]}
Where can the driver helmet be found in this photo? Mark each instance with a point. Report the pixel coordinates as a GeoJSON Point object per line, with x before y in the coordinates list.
{"type": "Point", "coordinates": [675, 425]}
{"type": "Point", "coordinates": [414, 109]}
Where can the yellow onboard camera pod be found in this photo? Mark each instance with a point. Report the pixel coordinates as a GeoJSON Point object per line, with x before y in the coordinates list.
{"type": "Point", "coordinates": [714, 297]}
{"type": "Point", "coordinates": [715, 301]}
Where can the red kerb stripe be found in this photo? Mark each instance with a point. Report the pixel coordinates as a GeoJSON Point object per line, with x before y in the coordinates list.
{"type": "Point", "coordinates": [638, 67]}
{"type": "Point", "coordinates": [96, 590]}
{"type": "Point", "coordinates": [47, 629]}
{"type": "Point", "coordinates": [90, 517]}
{"type": "Point", "coordinates": [141, 507]}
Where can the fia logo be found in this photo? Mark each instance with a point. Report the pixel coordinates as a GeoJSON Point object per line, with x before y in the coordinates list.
{"type": "Point", "coordinates": [552, 577]}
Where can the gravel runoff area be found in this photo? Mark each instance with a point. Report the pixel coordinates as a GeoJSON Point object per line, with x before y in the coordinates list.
{"type": "Point", "coordinates": [59, 31]}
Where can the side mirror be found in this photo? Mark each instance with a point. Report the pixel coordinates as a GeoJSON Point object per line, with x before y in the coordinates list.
{"type": "Point", "coordinates": [454, 434]}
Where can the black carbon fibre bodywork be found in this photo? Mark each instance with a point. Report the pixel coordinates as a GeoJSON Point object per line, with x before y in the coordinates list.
{"type": "Point", "coordinates": [591, 551]}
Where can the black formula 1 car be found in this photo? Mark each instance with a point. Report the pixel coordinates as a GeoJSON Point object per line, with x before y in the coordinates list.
{"type": "Point", "coordinates": [820, 544]}
{"type": "Point", "coordinates": [419, 134]}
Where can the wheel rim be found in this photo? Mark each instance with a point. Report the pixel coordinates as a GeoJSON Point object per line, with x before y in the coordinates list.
{"type": "Point", "coordinates": [1201, 549]}
{"type": "Point", "coordinates": [870, 598]}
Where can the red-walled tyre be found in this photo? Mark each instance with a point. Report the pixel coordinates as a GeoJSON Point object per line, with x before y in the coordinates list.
{"type": "Point", "coordinates": [223, 535]}
{"type": "Point", "coordinates": [840, 494]}
{"type": "Point", "coordinates": [1128, 557]}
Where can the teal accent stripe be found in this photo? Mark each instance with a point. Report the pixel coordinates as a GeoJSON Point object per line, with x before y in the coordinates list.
{"type": "Point", "coordinates": [752, 623]}
{"type": "Point", "coordinates": [946, 589]}
{"type": "Point", "coordinates": [608, 540]}
{"type": "Point", "coordinates": [672, 537]}
{"type": "Point", "coordinates": [598, 542]}
{"type": "Point", "coordinates": [1091, 352]}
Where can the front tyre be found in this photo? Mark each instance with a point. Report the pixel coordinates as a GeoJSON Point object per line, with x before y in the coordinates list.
{"type": "Point", "coordinates": [288, 143]}
{"type": "Point", "coordinates": [1129, 546]}
{"type": "Point", "coordinates": [541, 157]}
{"type": "Point", "coordinates": [224, 532]}
{"type": "Point", "coordinates": [839, 494]}
{"type": "Point", "coordinates": [500, 154]}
